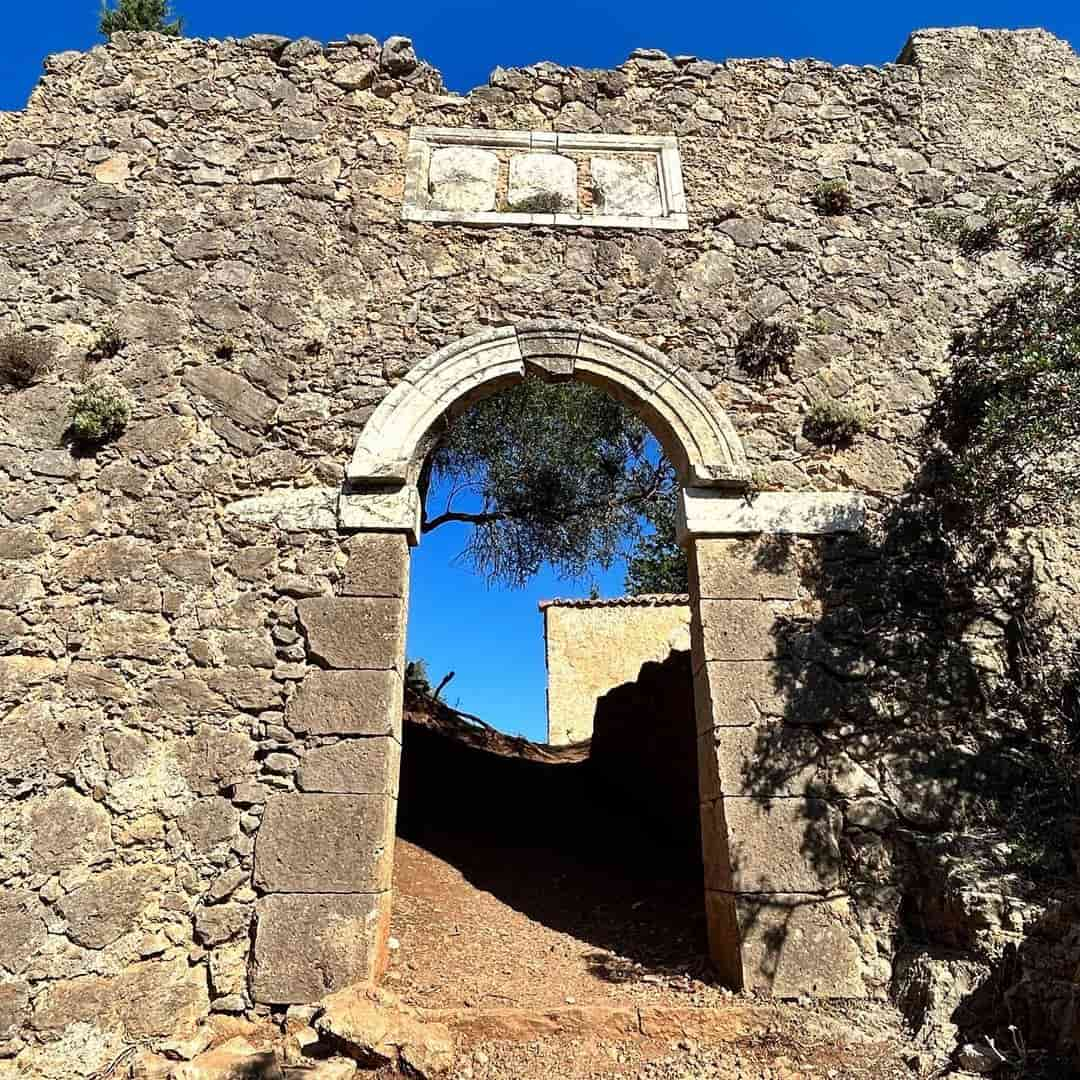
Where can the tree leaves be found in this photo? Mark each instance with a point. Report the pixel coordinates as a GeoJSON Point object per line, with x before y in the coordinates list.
{"type": "Point", "coordinates": [548, 473]}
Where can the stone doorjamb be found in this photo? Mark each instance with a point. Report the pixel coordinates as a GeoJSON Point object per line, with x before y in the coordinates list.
{"type": "Point", "coordinates": [324, 853]}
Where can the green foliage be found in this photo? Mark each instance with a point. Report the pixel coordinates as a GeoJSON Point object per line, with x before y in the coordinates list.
{"type": "Point", "coordinates": [416, 677]}
{"type": "Point", "coordinates": [24, 358]}
{"type": "Point", "coordinates": [561, 473]}
{"type": "Point", "coordinates": [107, 344]}
{"type": "Point", "coordinates": [832, 197]}
{"type": "Point", "coordinates": [971, 236]}
{"type": "Point", "coordinates": [1066, 187]}
{"type": "Point", "coordinates": [1008, 417]}
{"type": "Point", "coordinates": [835, 423]}
{"type": "Point", "coordinates": [1001, 455]}
{"type": "Point", "coordinates": [766, 347]}
{"type": "Point", "coordinates": [139, 15]}
{"type": "Point", "coordinates": [657, 563]}
{"type": "Point", "coordinates": [543, 202]}
{"type": "Point", "coordinates": [100, 411]}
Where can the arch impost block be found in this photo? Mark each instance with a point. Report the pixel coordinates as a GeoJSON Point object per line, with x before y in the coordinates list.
{"type": "Point", "coordinates": [711, 512]}
{"type": "Point", "coordinates": [381, 510]}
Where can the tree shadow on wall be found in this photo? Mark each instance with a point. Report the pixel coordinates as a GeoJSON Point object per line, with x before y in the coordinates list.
{"type": "Point", "coordinates": [915, 706]}
{"type": "Point", "coordinates": [605, 848]}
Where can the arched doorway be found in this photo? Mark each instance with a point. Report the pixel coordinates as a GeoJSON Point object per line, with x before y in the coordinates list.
{"type": "Point", "coordinates": [778, 919]}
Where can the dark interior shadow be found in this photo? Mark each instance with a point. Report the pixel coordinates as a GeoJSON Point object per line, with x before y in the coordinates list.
{"type": "Point", "coordinates": [601, 841]}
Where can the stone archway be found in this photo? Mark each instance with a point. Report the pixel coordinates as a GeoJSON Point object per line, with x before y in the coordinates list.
{"type": "Point", "coordinates": [778, 919]}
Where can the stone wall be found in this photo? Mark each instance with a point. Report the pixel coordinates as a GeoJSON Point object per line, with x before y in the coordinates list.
{"type": "Point", "coordinates": [234, 207]}
{"type": "Point", "coordinates": [594, 646]}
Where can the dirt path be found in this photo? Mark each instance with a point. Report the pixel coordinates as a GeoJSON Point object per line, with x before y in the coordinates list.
{"type": "Point", "coordinates": [464, 946]}
{"type": "Point", "coordinates": [529, 1001]}
{"type": "Point", "coordinates": [548, 906]}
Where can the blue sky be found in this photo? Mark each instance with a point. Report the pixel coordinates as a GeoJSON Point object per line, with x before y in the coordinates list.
{"type": "Point", "coordinates": [465, 39]}
{"type": "Point", "coordinates": [491, 638]}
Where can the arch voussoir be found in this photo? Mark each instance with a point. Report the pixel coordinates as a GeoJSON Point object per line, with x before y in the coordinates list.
{"type": "Point", "coordinates": [695, 431]}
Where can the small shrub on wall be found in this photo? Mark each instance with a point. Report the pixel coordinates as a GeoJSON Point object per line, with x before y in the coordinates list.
{"type": "Point", "coordinates": [835, 423]}
{"type": "Point", "coordinates": [24, 359]}
{"type": "Point", "coordinates": [766, 347]}
{"type": "Point", "coordinates": [139, 15]}
{"type": "Point", "coordinates": [543, 202]}
{"type": "Point", "coordinates": [832, 197]}
{"type": "Point", "coordinates": [100, 411]}
{"type": "Point", "coordinates": [107, 344]}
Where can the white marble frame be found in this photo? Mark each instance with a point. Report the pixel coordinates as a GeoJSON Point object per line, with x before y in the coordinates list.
{"type": "Point", "coordinates": [422, 140]}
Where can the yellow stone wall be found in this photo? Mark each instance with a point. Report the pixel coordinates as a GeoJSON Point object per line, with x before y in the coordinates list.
{"type": "Point", "coordinates": [591, 649]}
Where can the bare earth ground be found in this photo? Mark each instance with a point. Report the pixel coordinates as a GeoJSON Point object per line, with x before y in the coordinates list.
{"type": "Point", "coordinates": [493, 971]}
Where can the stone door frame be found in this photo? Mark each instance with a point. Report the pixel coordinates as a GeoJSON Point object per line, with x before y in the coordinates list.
{"type": "Point", "coordinates": [777, 915]}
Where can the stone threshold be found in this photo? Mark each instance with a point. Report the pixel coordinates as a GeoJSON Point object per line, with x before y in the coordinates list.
{"type": "Point", "coordinates": [717, 1023]}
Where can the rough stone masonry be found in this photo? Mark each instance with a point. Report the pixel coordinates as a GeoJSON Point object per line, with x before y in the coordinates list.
{"type": "Point", "coordinates": [180, 682]}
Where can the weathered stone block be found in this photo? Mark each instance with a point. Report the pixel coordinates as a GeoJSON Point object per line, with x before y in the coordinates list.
{"type": "Point", "coordinates": [347, 703]}
{"type": "Point", "coordinates": [714, 512]}
{"type": "Point", "coordinates": [378, 566]}
{"type": "Point", "coordinates": [19, 672]}
{"type": "Point", "coordinates": [774, 845]}
{"type": "Point", "coordinates": [310, 509]}
{"type": "Point", "coordinates": [353, 766]}
{"type": "Point", "coordinates": [739, 693]}
{"type": "Point", "coordinates": [22, 928]}
{"type": "Point", "coordinates": [130, 636]}
{"type": "Point", "coordinates": [747, 569]}
{"type": "Point", "coordinates": [164, 998]}
{"type": "Point", "coordinates": [463, 178]}
{"type": "Point", "coordinates": [627, 186]}
{"type": "Point", "coordinates": [309, 945]}
{"type": "Point", "coordinates": [108, 560]}
{"type": "Point", "coordinates": [390, 509]}
{"type": "Point", "coordinates": [551, 178]}
{"type": "Point", "coordinates": [21, 542]}
{"type": "Point", "coordinates": [355, 632]}
{"type": "Point", "coordinates": [14, 1006]}
{"type": "Point", "coordinates": [326, 843]}
{"type": "Point", "coordinates": [245, 688]}
{"type": "Point", "coordinates": [19, 590]}
{"type": "Point", "coordinates": [109, 904]}
{"type": "Point", "coordinates": [212, 759]}
{"type": "Point", "coordinates": [735, 630]}
{"type": "Point", "coordinates": [767, 759]}
{"type": "Point", "coordinates": [66, 829]}
{"type": "Point", "coordinates": [238, 399]}
{"type": "Point", "coordinates": [786, 945]}
{"type": "Point", "coordinates": [220, 922]}
{"type": "Point", "coordinates": [209, 822]}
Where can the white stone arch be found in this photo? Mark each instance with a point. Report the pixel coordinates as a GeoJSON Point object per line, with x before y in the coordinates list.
{"type": "Point", "coordinates": [694, 431]}
{"type": "Point", "coordinates": [777, 919]}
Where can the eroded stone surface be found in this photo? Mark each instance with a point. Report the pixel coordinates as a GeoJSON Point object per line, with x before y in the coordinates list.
{"type": "Point", "coordinates": [325, 844]}
{"type": "Point", "coordinates": [790, 944]}
{"type": "Point", "coordinates": [354, 632]}
{"type": "Point", "coordinates": [463, 178]}
{"type": "Point", "coordinates": [378, 565]}
{"type": "Point", "coordinates": [109, 904]}
{"type": "Point", "coordinates": [309, 945]}
{"type": "Point", "coordinates": [347, 703]}
{"type": "Point", "coordinates": [542, 183]}
{"type": "Point", "coordinates": [788, 844]}
{"type": "Point", "coordinates": [67, 829]}
{"type": "Point", "coordinates": [628, 186]}
{"type": "Point", "coordinates": [356, 766]}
